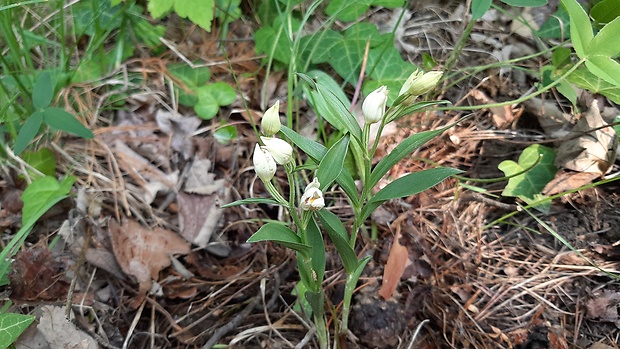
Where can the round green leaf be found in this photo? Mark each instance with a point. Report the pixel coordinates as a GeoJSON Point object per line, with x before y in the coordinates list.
{"type": "Point", "coordinates": [207, 107]}
{"type": "Point", "coordinates": [223, 93]}
{"type": "Point", "coordinates": [225, 134]}
{"type": "Point", "coordinates": [192, 77]}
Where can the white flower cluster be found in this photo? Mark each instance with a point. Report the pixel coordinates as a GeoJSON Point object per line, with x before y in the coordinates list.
{"type": "Point", "coordinates": [275, 151]}
{"type": "Point", "coordinates": [417, 84]}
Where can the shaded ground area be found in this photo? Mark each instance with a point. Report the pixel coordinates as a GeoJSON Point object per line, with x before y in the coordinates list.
{"type": "Point", "coordinates": [474, 278]}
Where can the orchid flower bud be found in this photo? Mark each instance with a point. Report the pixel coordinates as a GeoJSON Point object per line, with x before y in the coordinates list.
{"type": "Point", "coordinates": [407, 85]}
{"type": "Point", "coordinates": [425, 83]}
{"type": "Point", "coordinates": [373, 107]}
{"type": "Point", "coordinates": [264, 164]}
{"type": "Point", "coordinates": [270, 122]}
{"type": "Point", "coordinates": [312, 199]}
{"type": "Point", "coordinates": [418, 84]}
{"type": "Point", "coordinates": [281, 151]}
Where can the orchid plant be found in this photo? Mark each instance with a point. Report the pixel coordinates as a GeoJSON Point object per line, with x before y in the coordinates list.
{"type": "Point", "coordinates": [309, 215]}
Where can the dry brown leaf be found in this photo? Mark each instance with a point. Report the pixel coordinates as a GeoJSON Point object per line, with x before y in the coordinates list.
{"type": "Point", "coordinates": [553, 121]}
{"type": "Point", "coordinates": [200, 180]}
{"type": "Point", "coordinates": [180, 128]}
{"type": "Point", "coordinates": [568, 180]}
{"type": "Point", "coordinates": [604, 307]}
{"type": "Point", "coordinates": [594, 146]}
{"type": "Point", "coordinates": [199, 204]}
{"type": "Point", "coordinates": [601, 346]}
{"type": "Point", "coordinates": [556, 340]}
{"type": "Point", "coordinates": [199, 216]}
{"type": "Point", "coordinates": [62, 333]}
{"type": "Point", "coordinates": [37, 276]}
{"type": "Point", "coordinates": [394, 268]}
{"type": "Point", "coordinates": [502, 116]}
{"type": "Point", "coordinates": [143, 252]}
{"type": "Point", "coordinates": [149, 177]}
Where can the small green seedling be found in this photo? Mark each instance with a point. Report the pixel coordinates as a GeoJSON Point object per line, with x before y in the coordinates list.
{"type": "Point", "coordinates": [206, 99]}
{"type": "Point", "coordinates": [528, 185]}
{"type": "Point", "coordinates": [56, 118]}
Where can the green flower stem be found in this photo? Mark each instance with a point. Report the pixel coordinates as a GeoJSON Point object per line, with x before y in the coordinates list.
{"type": "Point", "coordinates": [522, 99]}
{"type": "Point", "coordinates": [451, 61]}
{"type": "Point", "coordinates": [292, 185]}
{"type": "Point", "coordinates": [321, 328]}
{"type": "Point", "coordinates": [276, 194]}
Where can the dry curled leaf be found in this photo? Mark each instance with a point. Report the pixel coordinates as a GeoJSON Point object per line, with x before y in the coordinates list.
{"type": "Point", "coordinates": [394, 269]}
{"type": "Point", "coordinates": [62, 333]}
{"type": "Point", "coordinates": [37, 276]}
{"type": "Point", "coordinates": [568, 180]}
{"type": "Point", "coordinates": [180, 129]}
{"type": "Point", "coordinates": [591, 145]}
{"type": "Point", "coordinates": [604, 307]}
{"type": "Point", "coordinates": [142, 252]}
{"type": "Point", "coordinates": [199, 203]}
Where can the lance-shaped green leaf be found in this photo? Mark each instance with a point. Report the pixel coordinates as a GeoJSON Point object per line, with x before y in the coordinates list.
{"type": "Point", "coordinates": [28, 132]}
{"type": "Point", "coordinates": [316, 299]}
{"type": "Point", "coordinates": [43, 91]}
{"type": "Point", "coordinates": [249, 201]}
{"type": "Point", "coordinates": [580, 28]}
{"type": "Point", "coordinates": [605, 68]}
{"type": "Point", "coordinates": [317, 151]}
{"type": "Point", "coordinates": [315, 240]}
{"type": "Point", "coordinates": [282, 235]}
{"type": "Point", "coordinates": [407, 185]}
{"type": "Point", "coordinates": [330, 107]}
{"type": "Point", "coordinates": [410, 109]}
{"type": "Point", "coordinates": [338, 234]}
{"type": "Point", "coordinates": [479, 8]}
{"type": "Point", "coordinates": [607, 41]}
{"type": "Point", "coordinates": [332, 163]}
{"type": "Point", "coordinates": [403, 149]}
{"type": "Point", "coordinates": [61, 120]}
